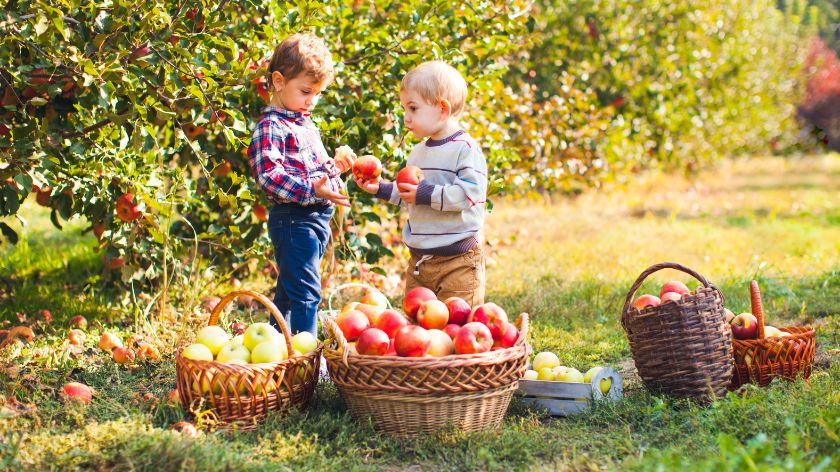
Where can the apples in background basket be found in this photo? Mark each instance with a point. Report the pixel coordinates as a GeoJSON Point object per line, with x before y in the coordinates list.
{"type": "Point", "coordinates": [414, 298]}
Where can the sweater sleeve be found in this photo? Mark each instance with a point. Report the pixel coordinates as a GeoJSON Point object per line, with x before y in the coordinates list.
{"type": "Point", "coordinates": [468, 189]}
{"type": "Point", "coordinates": [388, 191]}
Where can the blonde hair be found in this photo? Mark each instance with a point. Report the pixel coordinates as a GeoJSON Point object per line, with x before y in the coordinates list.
{"type": "Point", "coordinates": [302, 53]}
{"type": "Point", "coordinates": [436, 81]}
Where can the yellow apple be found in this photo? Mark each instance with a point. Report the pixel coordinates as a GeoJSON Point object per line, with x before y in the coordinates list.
{"type": "Point", "coordinates": [567, 374]}
{"type": "Point", "coordinates": [546, 373]}
{"type": "Point", "coordinates": [772, 331]}
{"type": "Point", "coordinates": [259, 333]}
{"type": "Point", "coordinates": [530, 375]}
{"type": "Point", "coordinates": [238, 339]}
{"type": "Point", "coordinates": [545, 360]}
{"type": "Point", "coordinates": [604, 384]}
{"type": "Point", "coordinates": [375, 298]}
{"type": "Point", "coordinates": [304, 342]}
{"type": "Point", "coordinates": [214, 337]}
{"type": "Point", "coordinates": [234, 351]}
{"type": "Point", "coordinates": [198, 352]}
{"type": "Point", "coordinates": [269, 351]}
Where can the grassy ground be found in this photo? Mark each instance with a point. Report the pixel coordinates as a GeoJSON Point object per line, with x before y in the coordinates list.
{"type": "Point", "coordinates": [568, 263]}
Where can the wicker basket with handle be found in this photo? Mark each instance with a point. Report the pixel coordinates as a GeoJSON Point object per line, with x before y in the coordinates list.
{"type": "Point", "coordinates": [763, 359]}
{"type": "Point", "coordinates": [681, 348]}
{"type": "Point", "coordinates": [243, 394]}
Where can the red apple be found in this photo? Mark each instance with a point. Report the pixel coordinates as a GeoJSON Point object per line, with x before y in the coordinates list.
{"type": "Point", "coordinates": [451, 329]}
{"type": "Point", "coordinates": [433, 314]}
{"type": "Point", "coordinates": [392, 350]}
{"type": "Point", "coordinates": [367, 168]}
{"type": "Point", "coordinates": [412, 341]}
{"type": "Point", "coordinates": [112, 262]}
{"type": "Point", "coordinates": [77, 392]}
{"type": "Point", "coordinates": [491, 315]}
{"type": "Point", "coordinates": [472, 338]}
{"type": "Point", "coordinates": [646, 300]}
{"type": "Point", "coordinates": [109, 341]}
{"type": "Point", "coordinates": [414, 298]}
{"type": "Point", "coordinates": [390, 322]}
{"type": "Point", "coordinates": [43, 196]}
{"type": "Point", "coordinates": [372, 312]}
{"type": "Point", "coordinates": [46, 316]}
{"type": "Point", "coordinates": [352, 324]}
{"type": "Point", "coordinates": [259, 211]}
{"type": "Point", "coordinates": [373, 342]}
{"type": "Point", "coordinates": [122, 355]}
{"type": "Point", "coordinates": [409, 175]}
{"type": "Point", "coordinates": [238, 328]}
{"type": "Point", "coordinates": [127, 210]}
{"type": "Point", "coordinates": [76, 337]}
{"type": "Point", "coordinates": [78, 322]}
{"type": "Point", "coordinates": [745, 326]}
{"type": "Point", "coordinates": [187, 429]}
{"type": "Point", "coordinates": [508, 339]}
{"type": "Point", "coordinates": [441, 344]}
{"type": "Point", "coordinates": [673, 286]}
{"type": "Point", "coordinates": [173, 397]}
{"type": "Point", "coordinates": [147, 352]}
{"type": "Point", "coordinates": [98, 229]}
{"type": "Point", "coordinates": [670, 297]}
{"type": "Point", "coordinates": [459, 310]}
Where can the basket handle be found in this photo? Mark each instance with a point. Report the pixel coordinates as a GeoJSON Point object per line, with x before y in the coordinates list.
{"type": "Point", "coordinates": [757, 307]}
{"type": "Point", "coordinates": [272, 308]}
{"type": "Point", "coordinates": [348, 285]}
{"type": "Point", "coordinates": [656, 268]}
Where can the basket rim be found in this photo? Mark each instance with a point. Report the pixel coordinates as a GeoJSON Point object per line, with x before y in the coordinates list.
{"type": "Point", "coordinates": [807, 333]}
{"type": "Point", "coordinates": [214, 364]}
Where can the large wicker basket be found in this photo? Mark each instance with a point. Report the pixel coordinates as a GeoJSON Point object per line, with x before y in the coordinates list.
{"type": "Point", "coordinates": [761, 360]}
{"type": "Point", "coordinates": [241, 395]}
{"type": "Point", "coordinates": [415, 396]}
{"type": "Point", "coordinates": [682, 348]}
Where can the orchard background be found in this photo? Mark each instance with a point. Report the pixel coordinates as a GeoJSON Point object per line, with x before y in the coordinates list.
{"type": "Point", "coordinates": [572, 101]}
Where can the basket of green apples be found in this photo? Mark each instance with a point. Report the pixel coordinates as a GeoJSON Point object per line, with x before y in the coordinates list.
{"type": "Point", "coordinates": [241, 378]}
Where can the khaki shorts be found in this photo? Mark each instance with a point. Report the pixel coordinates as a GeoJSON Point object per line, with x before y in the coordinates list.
{"type": "Point", "coordinates": [449, 276]}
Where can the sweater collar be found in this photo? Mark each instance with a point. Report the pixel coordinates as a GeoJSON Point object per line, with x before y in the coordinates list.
{"type": "Point", "coordinates": [441, 142]}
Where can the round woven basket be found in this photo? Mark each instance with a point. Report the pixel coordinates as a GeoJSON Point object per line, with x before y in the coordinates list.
{"type": "Point", "coordinates": [415, 396]}
{"type": "Point", "coordinates": [761, 360]}
{"type": "Point", "coordinates": [681, 348]}
{"type": "Point", "coordinates": [243, 394]}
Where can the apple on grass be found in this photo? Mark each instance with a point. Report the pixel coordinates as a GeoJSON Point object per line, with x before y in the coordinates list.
{"type": "Point", "coordinates": [352, 324]}
{"type": "Point", "coordinates": [645, 301]}
{"type": "Point", "coordinates": [745, 326]}
{"type": "Point", "coordinates": [604, 384]}
{"type": "Point", "coordinates": [76, 337]}
{"type": "Point", "coordinates": [674, 286]}
{"type": "Point", "coordinates": [391, 321]}
{"type": "Point", "coordinates": [433, 314]}
{"type": "Point", "coordinates": [492, 316]}
{"type": "Point", "coordinates": [197, 352]}
{"type": "Point", "coordinates": [259, 333]}
{"type": "Point", "coordinates": [473, 338]}
{"type": "Point", "coordinates": [412, 341]}
{"type": "Point", "coordinates": [304, 342]}
{"type": "Point", "coordinates": [233, 350]}
{"type": "Point", "coordinates": [108, 341]}
{"type": "Point", "coordinates": [545, 359]}
{"type": "Point", "coordinates": [214, 337]}
{"type": "Point", "coordinates": [77, 392]}
{"type": "Point", "coordinates": [441, 344]}
{"type": "Point", "coordinates": [147, 352]}
{"type": "Point", "coordinates": [459, 310]}
{"type": "Point", "coordinates": [373, 342]}
{"type": "Point", "coordinates": [79, 322]}
{"type": "Point", "coordinates": [416, 297]}
{"type": "Point", "coordinates": [122, 355]}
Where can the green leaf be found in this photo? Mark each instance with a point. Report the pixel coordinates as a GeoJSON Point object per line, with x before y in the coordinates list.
{"type": "Point", "coordinates": [10, 234]}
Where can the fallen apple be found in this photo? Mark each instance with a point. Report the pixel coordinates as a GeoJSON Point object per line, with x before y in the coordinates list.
{"type": "Point", "coordinates": [77, 392]}
{"type": "Point", "coordinates": [147, 352]}
{"type": "Point", "coordinates": [76, 337]}
{"type": "Point", "coordinates": [79, 322]}
{"type": "Point", "coordinates": [108, 341]}
{"type": "Point", "coordinates": [187, 429]}
{"type": "Point", "coordinates": [122, 355]}
{"type": "Point", "coordinates": [173, 397]}
{"type": "Point", "coordinates": [433, 314]}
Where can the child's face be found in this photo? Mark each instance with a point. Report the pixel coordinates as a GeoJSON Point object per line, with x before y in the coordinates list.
{"type": "Point", "coordinates": [299, 94]}
{"type": "Point", "coordinates": [421, 117]}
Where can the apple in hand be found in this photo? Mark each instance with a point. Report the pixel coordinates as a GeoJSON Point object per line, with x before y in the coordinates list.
{"type": "Point", "coordinates": [491, 315]}
{"type": "Point", "coordinates": [674, 286]}
{"type": "Point", "coordinates": [304, 342]}
{"type": "Point", "coordinates": [412, 341]}
{"type": "Point", "coordinates": [367, 169]}
{"type": "Point", "coordinates": [373, 342]}
{"type": "Point", "coordinates": [214, 337]}
{"type": "Point", "coordinates": [233, 350]}
{"type": "Point", "coordinates": [259, 333]}
{"type": "Point", "coordinates": [409, 175]}
{"type": "Point", "coordinates": [459, 310]}
{"type": "Point", "coordinates": [645, 301]}
{"type": "Point", "coordinates": [745, 326]}
{"type": "Point", "coordinates": [441, 344]}
{"type": "Point", "coordinates": [352, 324]}
{"type": "Point", "coordinates": [473, 338]}
{"type": "Point", "coordinates": [390, 322]}
{"type": "Point", "coordinates": [433, 314]}
{"type": "Point", "coordinates": [416, 297]}
{"type": "Point", "coordinates": [198, 352]}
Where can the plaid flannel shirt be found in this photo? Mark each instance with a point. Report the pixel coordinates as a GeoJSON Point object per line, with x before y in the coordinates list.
{"type": "Point", "coordinates": [287, 157]}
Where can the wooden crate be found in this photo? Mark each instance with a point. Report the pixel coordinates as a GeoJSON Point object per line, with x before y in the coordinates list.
{"type": "Point", "coordinates": [567, 398]}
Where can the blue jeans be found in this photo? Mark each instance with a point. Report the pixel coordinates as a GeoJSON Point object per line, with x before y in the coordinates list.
{"type": "Point", "coordinates": [300, 235]}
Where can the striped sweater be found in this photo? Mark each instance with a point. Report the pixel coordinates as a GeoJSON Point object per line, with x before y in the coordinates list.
{"type": "Point", "coordinates": [449, 211]}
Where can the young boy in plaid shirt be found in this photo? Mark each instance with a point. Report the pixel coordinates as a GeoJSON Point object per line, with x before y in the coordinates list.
{"type": "Point", "coordinates": [292, 167]}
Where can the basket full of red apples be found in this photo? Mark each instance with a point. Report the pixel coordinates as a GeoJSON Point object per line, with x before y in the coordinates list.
{"type": "Point", "coordinates": [437, 364]}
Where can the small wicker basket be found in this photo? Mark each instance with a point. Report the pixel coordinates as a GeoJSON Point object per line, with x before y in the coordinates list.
{"type": "Point", "coordinates": [761, 360]}
{"type": "Point", "coordinates": [681, 348]}
{"type": "Point", "coordinates": [414, 396]}
{"type": "Point", "coordinates": [243, 394]}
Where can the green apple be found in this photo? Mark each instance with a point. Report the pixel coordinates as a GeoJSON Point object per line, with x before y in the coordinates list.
{"type": "Point", "coordinates": [304, 342]}
{"type": "Point", "coordinates": [604, 384]}
{"type": "Point", "coordinates": [269, 351]}
{"type": "Point", "coordinates": [206, 385]}
{"type": "Point", "coordinates": [214, 337]}
{"type": "Point", "coordinates": [567, 374]}
{"type": "Point", "coordinates": [531, 375]}
{"type": "Point", "coordinates": [234, 351]}
{"type": "Point", "coordinates": [198, 352]}
{"type": "Point", "coordinates": [545, 360]}
{"type": "Point", "coordinates": [546, 373]}
{"type": "Point", "coordinates": [238, 339]}
{"type": "Point", "coordinates": [772, 331]}
{"type": "Point", "coordinates": [259, 333]}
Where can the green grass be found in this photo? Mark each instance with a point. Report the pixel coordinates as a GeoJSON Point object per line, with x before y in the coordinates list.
{"type": "Point", "coordinates": [569, 263]}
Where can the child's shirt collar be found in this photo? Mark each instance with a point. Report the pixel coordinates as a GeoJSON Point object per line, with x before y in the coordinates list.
{"type": "Point", "coordinates": [291, 115]}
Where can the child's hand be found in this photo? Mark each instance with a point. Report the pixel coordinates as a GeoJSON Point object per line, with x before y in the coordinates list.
{"type": "Point", "coordinates": [367, 185]}
{"type": "Point", "coordinates": [322, 190]}
{"type": "Point", "coordinates": [344, 158]}
{"type": "Point", "coordinates": [408, 193]}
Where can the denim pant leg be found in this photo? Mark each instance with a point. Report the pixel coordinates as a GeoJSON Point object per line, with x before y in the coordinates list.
{"type": "Point", "coordinates": [300, 239]}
